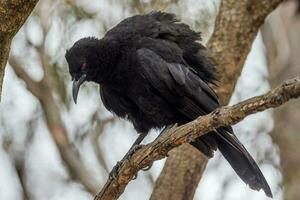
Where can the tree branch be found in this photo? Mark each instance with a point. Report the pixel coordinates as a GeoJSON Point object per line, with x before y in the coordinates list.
{"type": "Point", "coordinates": [13, 14]}
{"type": "Point", "coordinates": [32, 85]}
{"type": "Point", "coordinates": [223, 116]}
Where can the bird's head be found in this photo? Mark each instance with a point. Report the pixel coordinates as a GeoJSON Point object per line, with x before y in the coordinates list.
{"type": "Point", "coordinates": [88, 60]}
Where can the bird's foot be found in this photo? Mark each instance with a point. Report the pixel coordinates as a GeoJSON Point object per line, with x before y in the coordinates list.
{"type": "Point", "coordinates": [148, 167]}
{"type": "Point", "coordinates": [167, 128]}
{"type": "Point", "coordinates": [132, 151]}
{"type": "Point", "coordinates": [114, 172]}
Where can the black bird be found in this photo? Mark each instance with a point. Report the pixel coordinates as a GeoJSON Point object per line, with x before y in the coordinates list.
{"type": "Point", "coordinates": [153, 71]}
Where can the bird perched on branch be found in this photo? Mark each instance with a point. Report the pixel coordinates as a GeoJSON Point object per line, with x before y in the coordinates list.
{"type": "Point", "coordinates": [153, 71]}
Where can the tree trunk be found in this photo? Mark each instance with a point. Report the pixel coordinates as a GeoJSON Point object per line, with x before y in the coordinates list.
{"type": "Point", "coordinates": [281, 36]}
{"type": "Point", "coordinates": [13, 14]}
{"type": "Point", "coordinates": [175, 181]}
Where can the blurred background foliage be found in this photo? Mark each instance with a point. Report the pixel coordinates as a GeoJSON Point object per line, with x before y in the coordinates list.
{"type": "Point", "coordinates": [54, 149]}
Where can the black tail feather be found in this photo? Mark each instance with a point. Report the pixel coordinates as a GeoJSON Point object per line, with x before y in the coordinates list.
{"type": "Point", "coordinates": [237, 156]}
{"type": "Point", "coordinates": [241, 161]}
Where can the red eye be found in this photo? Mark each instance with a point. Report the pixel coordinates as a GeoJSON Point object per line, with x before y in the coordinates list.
{"type": "Point", "coordinates": [83, 66]}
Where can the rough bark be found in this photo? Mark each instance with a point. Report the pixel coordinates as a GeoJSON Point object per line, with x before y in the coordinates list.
{"type": "Point", "coordinates": [13, 14]}
{"type": "Point", "coordinates": [285, 136]}
{"type": "Point", "coordinates": [223, 116]}
{"type": "Point", "coordinates": [236, 27]}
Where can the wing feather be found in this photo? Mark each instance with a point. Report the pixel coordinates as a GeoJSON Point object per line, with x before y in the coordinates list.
{"type": "Point", "coordinates": [177, 81]}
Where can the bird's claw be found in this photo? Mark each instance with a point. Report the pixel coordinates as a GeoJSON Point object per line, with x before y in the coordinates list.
{"type": "Point", "coordinates": [147, 168]}
{"type": "Point", "coordinates": [114, 172]}
{"type": "Point", "coordinates": [132, 151]}
{"type": "Point", "coordinates": [135, 176]}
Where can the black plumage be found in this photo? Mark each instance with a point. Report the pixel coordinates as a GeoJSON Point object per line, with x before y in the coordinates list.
{"type": "Point", "coordinates": [153, 71]}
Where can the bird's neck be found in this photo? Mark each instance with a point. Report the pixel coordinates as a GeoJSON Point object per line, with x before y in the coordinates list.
{"type": "Point", "coordinates": [107, 51]}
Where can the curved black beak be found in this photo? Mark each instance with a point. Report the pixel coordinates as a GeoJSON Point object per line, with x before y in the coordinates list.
{"type": "Point", "coordinates": [76, 86]}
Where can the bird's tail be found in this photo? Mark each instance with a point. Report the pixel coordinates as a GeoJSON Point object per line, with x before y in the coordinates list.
{"type": "Point", "coordinates": [236, 154]}
{"type": "Point", "coordinates": [240, 160]}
